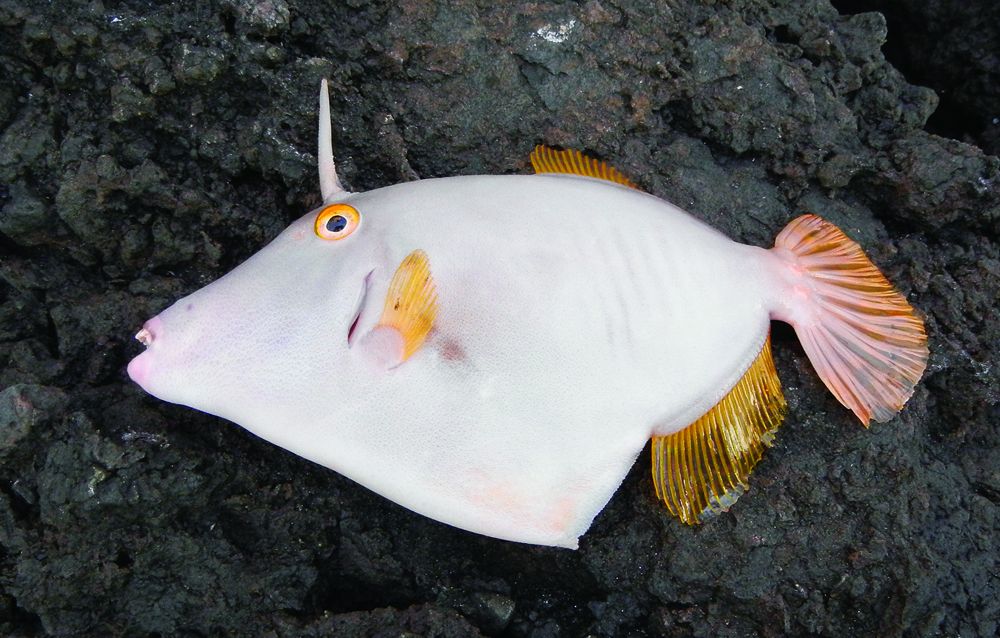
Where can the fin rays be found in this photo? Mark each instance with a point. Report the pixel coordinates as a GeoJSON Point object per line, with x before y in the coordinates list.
{"type": "Point", "coordinates": [865, 340]}
{"type": "Point", "coordinates": [701, 470]}
{"type": "Point", "coordinates": [411, 304]}
{"type": "Point", "coordinates": [573, 162]}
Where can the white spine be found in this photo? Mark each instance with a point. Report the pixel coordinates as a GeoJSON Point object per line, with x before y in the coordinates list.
{"type": "Point", "coordinates": [329, 183]}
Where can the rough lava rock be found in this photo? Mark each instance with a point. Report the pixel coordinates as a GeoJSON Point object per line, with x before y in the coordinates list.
{"type": "Point", "coordinates": [953, 47]}
{"type": "Point", "coordinates": [147, 148]}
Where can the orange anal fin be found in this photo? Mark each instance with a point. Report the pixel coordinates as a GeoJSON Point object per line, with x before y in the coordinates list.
{"type": "Point", "coordinates": [573, 162]}
{"type": "Point", "coordinates": [408, 314]}
{"type": "Point", "coordinates": [701, 470]}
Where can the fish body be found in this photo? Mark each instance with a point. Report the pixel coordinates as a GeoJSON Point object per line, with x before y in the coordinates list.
{"type": "Point", "coordinates": [569, 319]}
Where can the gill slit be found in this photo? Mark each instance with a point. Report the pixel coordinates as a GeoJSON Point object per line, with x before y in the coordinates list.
{"type": "Point", "coordinates": [359, 308]}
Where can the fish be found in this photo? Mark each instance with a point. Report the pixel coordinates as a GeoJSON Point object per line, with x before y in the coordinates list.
{"type": "Point", "coordinates": [495, 351]}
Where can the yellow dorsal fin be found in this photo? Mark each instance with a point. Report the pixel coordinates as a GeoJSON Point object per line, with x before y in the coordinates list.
{"type": "Point", "coordinates": [573, 162]}
{"type": "Point", "coordinates": [701, 470]}
{"type": "Point", "coordinates": [411, 303]}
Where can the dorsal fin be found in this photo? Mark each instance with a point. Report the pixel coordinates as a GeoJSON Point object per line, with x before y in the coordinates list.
{"type": "Point", "coordinates": [329, 184]}
{"type": "Point", "coordinates": [573, 162]}
{"type": "Point", "coordinates": [701, 470]}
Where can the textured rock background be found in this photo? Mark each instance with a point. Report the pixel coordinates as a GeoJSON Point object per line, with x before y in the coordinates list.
{"type": "Point", "coordinates": [147, 149]}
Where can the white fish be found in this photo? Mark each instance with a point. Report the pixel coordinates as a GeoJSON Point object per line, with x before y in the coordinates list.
{"type": "Point", "coordinates": [495, 351]}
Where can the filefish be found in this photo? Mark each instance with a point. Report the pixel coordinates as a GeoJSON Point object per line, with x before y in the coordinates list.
{"type": "Point", "coordinates": [495, 351]}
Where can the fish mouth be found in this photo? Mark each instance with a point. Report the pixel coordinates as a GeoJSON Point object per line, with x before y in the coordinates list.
{"type": "Point", "coordinates": [138, 367]}
{"type": "Point", "coordinates": [149, 331]}
{"type": "Point", "coordinates": [145, 337]}
{"type": "Point", "coordinates": [359, 307]}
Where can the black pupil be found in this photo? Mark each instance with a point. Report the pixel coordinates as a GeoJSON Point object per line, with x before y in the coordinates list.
{"type": "Point", "coordinates": [336, 223]}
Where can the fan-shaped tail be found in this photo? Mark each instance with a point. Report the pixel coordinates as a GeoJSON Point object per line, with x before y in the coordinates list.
{"type": "Point", "coordinates": [863, 338]}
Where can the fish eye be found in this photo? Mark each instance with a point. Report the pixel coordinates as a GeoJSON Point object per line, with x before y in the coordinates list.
{"type": "Point", "coordinates": [336, 221]}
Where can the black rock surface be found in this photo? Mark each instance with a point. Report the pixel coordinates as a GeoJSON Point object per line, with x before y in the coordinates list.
{"type": "Point", "coordinates": [953, 47]}
{"type": "Point", "coordinates": [147, 148]}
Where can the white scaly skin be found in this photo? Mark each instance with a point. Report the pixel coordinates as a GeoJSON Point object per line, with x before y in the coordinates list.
{"type": "Point", "coordinates": [576, 319]}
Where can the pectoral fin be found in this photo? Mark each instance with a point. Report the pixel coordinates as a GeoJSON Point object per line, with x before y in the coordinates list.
{"type": "Point", "coordinates": [408, 314]}
{"type": "Point", "coordinates": [701, 470]}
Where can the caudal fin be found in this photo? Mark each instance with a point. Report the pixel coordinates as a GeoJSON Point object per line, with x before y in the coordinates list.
{"type": "Point", "coordinates": [865, 341]}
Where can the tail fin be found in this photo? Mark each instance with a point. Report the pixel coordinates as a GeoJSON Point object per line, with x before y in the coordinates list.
{"type": "Point", "coordinates": [864, 339]}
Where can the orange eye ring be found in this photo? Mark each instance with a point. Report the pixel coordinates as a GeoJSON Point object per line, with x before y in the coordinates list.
{"type": "Point", "coordinates": [336, 221]}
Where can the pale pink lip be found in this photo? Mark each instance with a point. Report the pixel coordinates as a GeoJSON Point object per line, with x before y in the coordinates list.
{"type": "Point", "coordinates": [138, 368]}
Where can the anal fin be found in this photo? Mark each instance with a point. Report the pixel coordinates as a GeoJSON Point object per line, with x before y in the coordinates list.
{"type": "Point", "coordinates": [701, 470]}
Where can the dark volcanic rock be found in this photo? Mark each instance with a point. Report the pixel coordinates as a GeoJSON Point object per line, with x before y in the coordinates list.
{"type": "Point", "coordinates": [147, 148]}
{"type": "Point", "coordinates": [952, 46]}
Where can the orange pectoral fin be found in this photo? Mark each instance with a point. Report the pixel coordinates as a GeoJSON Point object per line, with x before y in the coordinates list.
{"type": "Point", "coordinates": [409, 312]}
